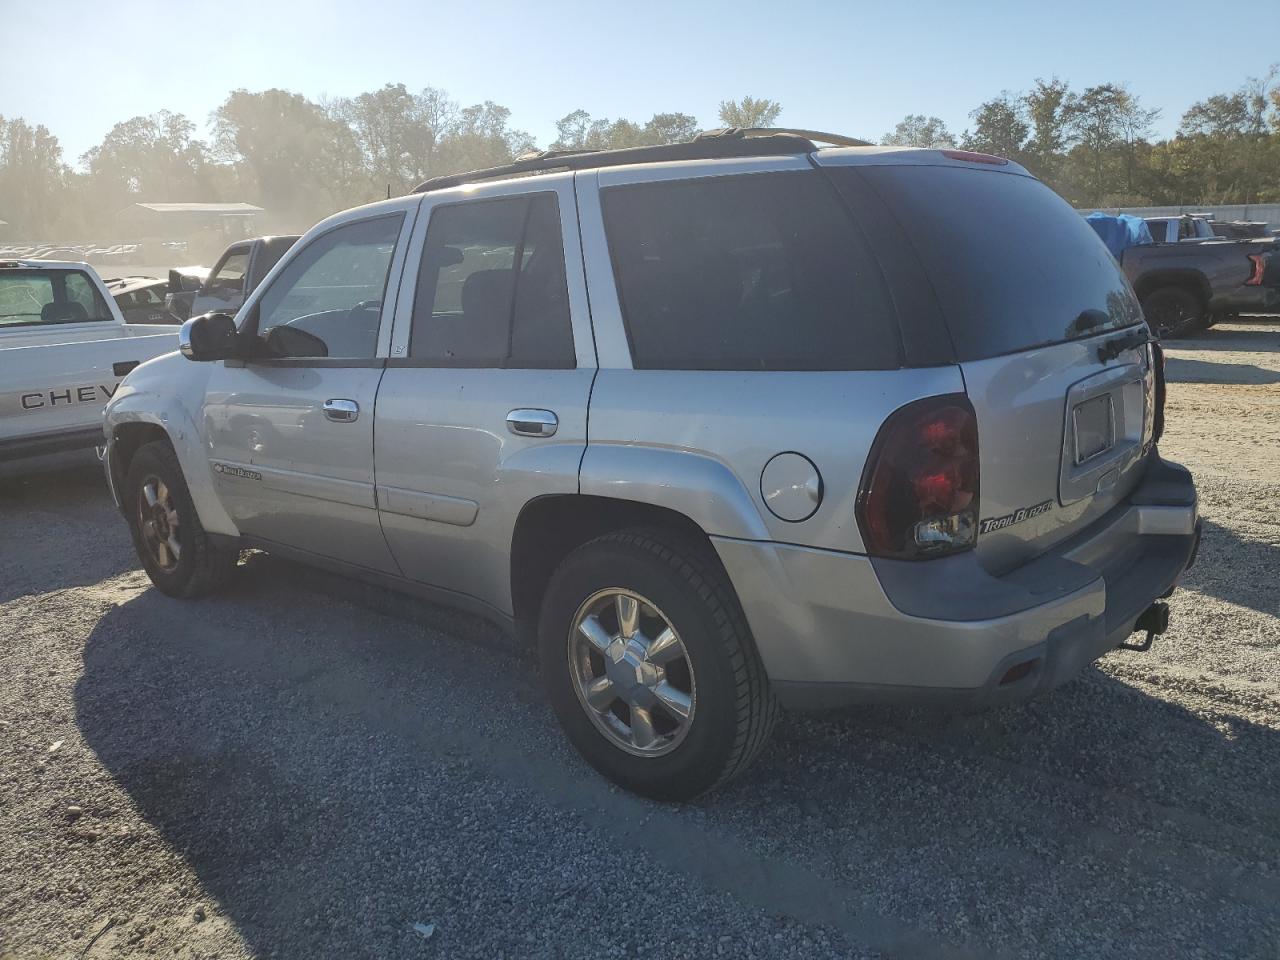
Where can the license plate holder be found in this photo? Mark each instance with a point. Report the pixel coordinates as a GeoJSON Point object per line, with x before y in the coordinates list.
{"type": "Point", "coordinates": [1093, 428]}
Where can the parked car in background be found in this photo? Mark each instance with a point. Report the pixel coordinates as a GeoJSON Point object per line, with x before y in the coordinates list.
{"type": "Point", "coordinates": [848, 442]}
{"type": "Point", "coordinates": [236, 274]}
{"type": "Point", "coordinates": [1184, 227]}
{"type": "Point", "coordinates": [1189, 284]}
{"type": "Point", "coordinates": [181, 289]}
{"type": "Point", "coordinates": [64, 347]}
{"type": "Point", "coordinates": [141, 299]}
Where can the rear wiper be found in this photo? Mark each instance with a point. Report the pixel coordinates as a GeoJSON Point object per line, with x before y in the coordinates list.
{"type": "Point", "coordinates": [1087, 320]}
{"type": "Point", "coordinates": [1110, 349]}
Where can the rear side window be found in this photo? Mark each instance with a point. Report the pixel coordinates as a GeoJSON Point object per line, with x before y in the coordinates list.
{"type": "Point", "coordinates": [491, 287]}
{"type": "Point", "coordinates": [1011, 263]}
{"type": "Point", "coordinates": [761, 271]}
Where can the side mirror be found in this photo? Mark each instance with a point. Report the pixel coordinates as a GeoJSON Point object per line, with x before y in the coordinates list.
{"type": "Point", "coordinates": [211, 336]}
{"type": "Point", "coordinates": [180, 282]}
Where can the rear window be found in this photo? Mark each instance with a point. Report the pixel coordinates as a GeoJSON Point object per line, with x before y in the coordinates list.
{"type": "Point", "coordinates": [34, 297]}
{"type": "Point", "coordinates": [1011, 263]}
{"type": "Point", "coordinates": [759, 271]}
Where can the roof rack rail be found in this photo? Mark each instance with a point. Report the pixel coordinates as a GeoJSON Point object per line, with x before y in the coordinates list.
{"type": "Point", "coordinates": [835, 139]}
{"type": "Point", "coordinates": [711, 145]}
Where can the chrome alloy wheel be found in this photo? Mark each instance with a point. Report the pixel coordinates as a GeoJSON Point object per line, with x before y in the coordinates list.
{"type": "Point", "coordinates": [158, 521]}
{"type": "Point", "coordinates": [631, 672]}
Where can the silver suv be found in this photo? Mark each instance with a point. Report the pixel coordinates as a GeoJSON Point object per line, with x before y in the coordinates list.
{"type": "Point", "coordinates": [724, 424]}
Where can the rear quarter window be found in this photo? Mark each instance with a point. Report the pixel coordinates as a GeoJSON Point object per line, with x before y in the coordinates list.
{"type": "Point", "coordinates": [761, 271]}
{"type": "Point", "coordinates": [1012, 265]}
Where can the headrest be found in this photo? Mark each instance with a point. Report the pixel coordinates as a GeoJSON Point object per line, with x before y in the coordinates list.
{"type": "Point", "coordinates": [68, 312]}
{"type": "Point", "coordinates": [486, 296]}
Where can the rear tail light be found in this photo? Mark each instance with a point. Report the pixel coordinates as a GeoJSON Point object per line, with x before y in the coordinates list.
{"type": "Point", "coordinates": [919, 492]}
{"type": "Point", "coordinates": [971, 156]}
{"type": "Point", "coordinates": [1259, 268]}
{"type": "Point", "coordinates": [1157, 363]}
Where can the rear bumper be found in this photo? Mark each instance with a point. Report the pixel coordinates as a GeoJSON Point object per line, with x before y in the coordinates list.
{"type": "Point", "coordinates": [1260, 299]}
{"type": "Point", "coordinates": [836, 628]}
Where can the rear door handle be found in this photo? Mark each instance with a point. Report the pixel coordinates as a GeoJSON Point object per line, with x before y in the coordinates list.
{"type": "Point", "coordinates": [122, 367]}
{"type": "Point", "coordinates": [526, 422]}
{"type": "Point", "coordinates": [342, 411]}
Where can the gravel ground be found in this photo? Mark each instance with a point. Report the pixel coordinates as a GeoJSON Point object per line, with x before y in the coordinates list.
{"type": "Point", "coordinates": [303, 768]}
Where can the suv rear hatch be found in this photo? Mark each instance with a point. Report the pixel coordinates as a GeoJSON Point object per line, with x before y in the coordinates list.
{"type": "Point", "coordinates": [1047, 333]}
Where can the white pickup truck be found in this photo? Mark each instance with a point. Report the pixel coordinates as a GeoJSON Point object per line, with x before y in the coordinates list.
{"type": "Point", "coordinates": [64, 347]}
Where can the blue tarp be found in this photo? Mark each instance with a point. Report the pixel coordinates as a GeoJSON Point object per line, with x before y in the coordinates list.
{"type": "Point", "coordinates": [1119, 231]}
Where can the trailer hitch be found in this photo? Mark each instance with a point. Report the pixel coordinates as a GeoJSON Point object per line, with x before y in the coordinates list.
{"type": "Point", "coordinates": [1154, 621]}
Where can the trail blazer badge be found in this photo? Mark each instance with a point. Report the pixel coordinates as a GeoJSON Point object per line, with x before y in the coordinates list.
{"type": "Point", "coordinates": [1009, 519]}
{"type": "Point", "coordinates": [228, 470]}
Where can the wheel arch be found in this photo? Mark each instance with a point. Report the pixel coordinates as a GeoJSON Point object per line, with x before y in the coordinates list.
{"type": "Point", "coordinates": [131, 426]}
{"type": "Point", "coordinates": [1193, 281]}
{"type": "Point", "coordinates": [126, 439]}
{"type": "Point", "coordinates": [549, 528]}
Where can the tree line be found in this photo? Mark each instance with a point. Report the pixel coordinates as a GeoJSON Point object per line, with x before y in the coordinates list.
{"type": "Point", "coordinates": [302, 159]}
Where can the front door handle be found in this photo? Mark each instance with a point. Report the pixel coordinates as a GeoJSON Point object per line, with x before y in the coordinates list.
{"type": "Point", "coordinates": [342, 411]}
{"type": "Point", "coordinates": [532, 423]}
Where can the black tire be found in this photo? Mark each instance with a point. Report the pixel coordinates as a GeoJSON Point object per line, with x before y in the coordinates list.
{"type": "Point", "coordinates": [203, 564]}
{"type": "Point", "coordinates": [1174, 312]}
{"type": "Point", "coordinates": [735, 707]}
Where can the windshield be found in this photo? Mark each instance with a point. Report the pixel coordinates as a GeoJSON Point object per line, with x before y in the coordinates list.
{"type": "Point", "coordinates": [1011, 263]}
{"type": "Point", "coordinates": [32, 297]}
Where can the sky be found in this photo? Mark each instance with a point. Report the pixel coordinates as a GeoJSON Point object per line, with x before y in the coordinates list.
{"type": "Point", "coordinates": [857, 68]}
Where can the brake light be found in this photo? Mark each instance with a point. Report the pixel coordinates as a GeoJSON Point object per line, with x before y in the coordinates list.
{"type": "Point", "coordinates": [919, 492]}
{"type": "Point", "coordinates": [1259, 268]}
{"type": "Point", "coordinates": [972, 156]}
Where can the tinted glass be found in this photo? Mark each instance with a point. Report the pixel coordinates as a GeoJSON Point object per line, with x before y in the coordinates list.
{"type": "Point", "coordinates": [752, 272]}
{"type": "Point", "coordinates": [34, 297]}
{"type": "Point", "coordinates": [491, 287]}
{"type": "Point", "coordinates": [332, 291]}
{"type": "Point", "coordinates": [230, 275]}
{"type": "Point", "coordinates": [1012, 264]}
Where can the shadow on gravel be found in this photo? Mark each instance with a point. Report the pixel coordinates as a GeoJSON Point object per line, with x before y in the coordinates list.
{"type": "Point", "coordinates": [1235, 569]}
{"type": "Point", "coordinates": [1235, 339]}
{"type": "Point", "coordinates": [1182, 370]}
{"type": "Point", "coordinates": [60, 530]}
{"type": "Point", "coordinates": [333, 775]}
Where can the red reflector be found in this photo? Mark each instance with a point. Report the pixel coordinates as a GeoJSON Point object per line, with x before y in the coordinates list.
{"type": "Point", "coordinates": [1259, 268]}
{"type": "Point", "coordinates": [971, 156]}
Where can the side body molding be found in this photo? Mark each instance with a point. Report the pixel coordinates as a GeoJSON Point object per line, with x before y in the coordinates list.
{"type": "Point", "coordinates": [703, 489]}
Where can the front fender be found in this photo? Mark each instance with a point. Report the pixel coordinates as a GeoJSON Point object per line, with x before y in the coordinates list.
{"type": "Point", "coordinates": [703, 489]}
{"type": "Point", "coordinates": [169, 393]}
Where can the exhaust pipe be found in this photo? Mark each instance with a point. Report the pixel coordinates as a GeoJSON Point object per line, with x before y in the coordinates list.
{"type": "Point", "coordinates": [1153, 622]}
